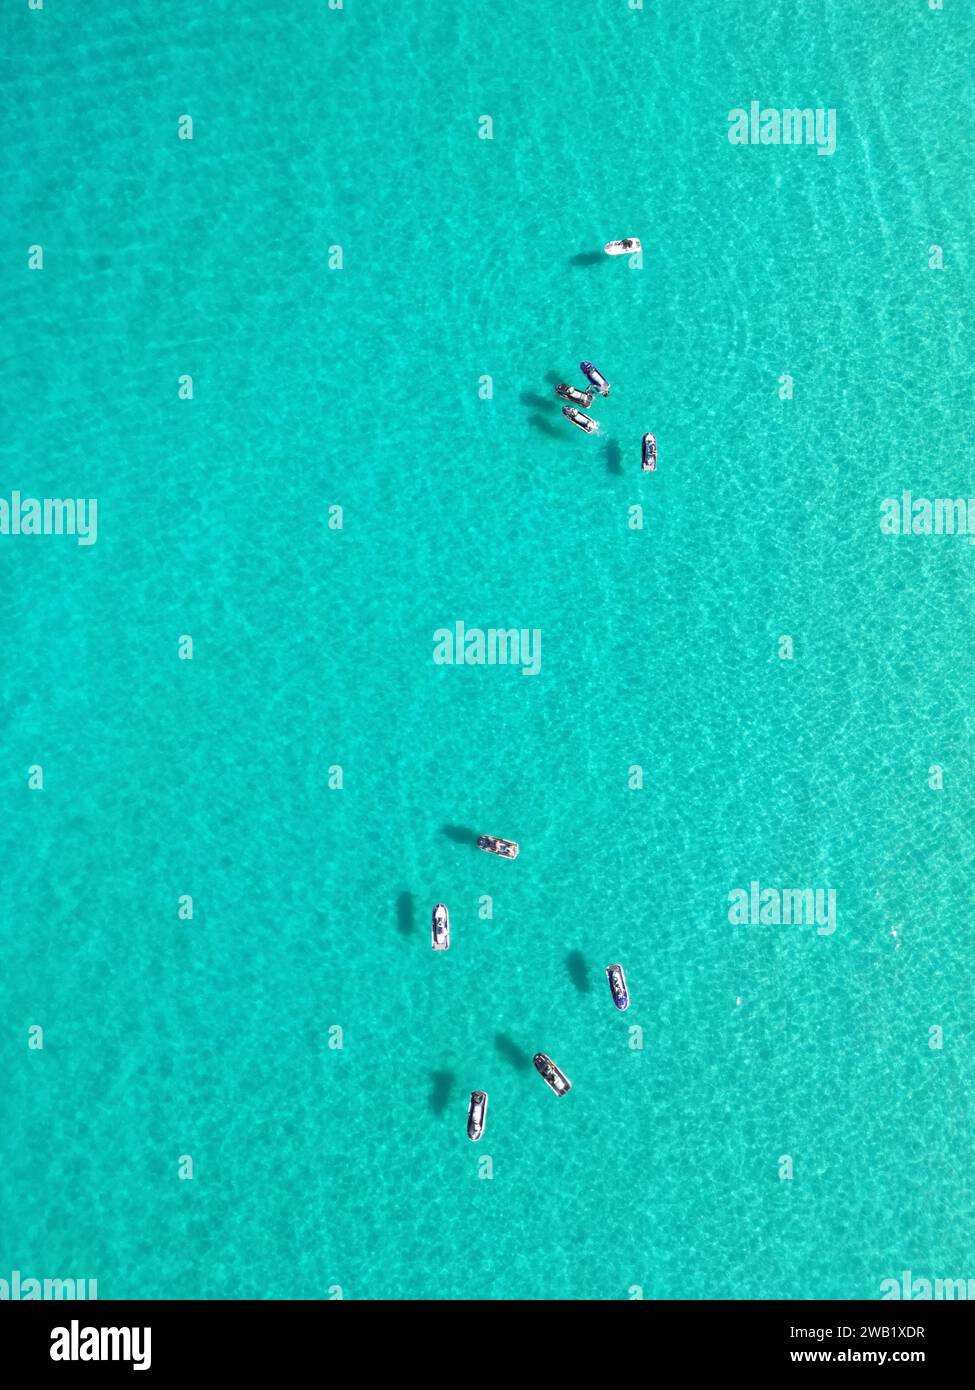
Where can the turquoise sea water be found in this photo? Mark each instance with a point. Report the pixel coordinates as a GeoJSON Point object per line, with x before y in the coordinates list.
{"type": "Point", "coordinates": [463, 257]}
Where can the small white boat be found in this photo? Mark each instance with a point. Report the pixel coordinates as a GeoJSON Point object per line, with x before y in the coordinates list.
{"type": "Point", "coordinates": [550, 1074]}
{"type": "Point", "coordinates": [577, 397]}
{"type": "Point", "coordinates": [617, 986]}
{"type": "Point", "coordinates": [477, 1114]}
{"type": "Point", "coordinates": [597, 378]}
{"type": "Point", "coordinates": [649, 452]}
{"type": "Point", "coordinates": [580, 418]}
{"type": "Point", "coordinates": [506, 848]}
{"type": "Point", "coordinates": [440, 928]}
{"type": "Point", "coordinates": [626, 247]}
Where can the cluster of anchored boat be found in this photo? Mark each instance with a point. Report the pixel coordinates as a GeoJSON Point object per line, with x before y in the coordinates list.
{"type": "Point", "coordinates": [546, 1068]}
{"type": "Point", "coordinates": [597, 382]}
{"type": "Point", "coordinates": [648, 448]}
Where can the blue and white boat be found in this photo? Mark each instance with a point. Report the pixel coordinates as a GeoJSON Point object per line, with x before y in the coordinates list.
{"type": "Point", "coordinates": [477, 1114]}
{"type": "Point", "coordinates": [617, 986]}
{"type": "Point", "coordinates": [508, 849]}
{"type": "Point", "coordinates": [556, 1080]}
{"type": "Point", "coordinates": [573, 394]}
{"type": "Point", "coordinates": [440, 928]}
{"type": "Point", "coordinates": [628, 246]}
{"type": "Point", "coordinates": [580, 418]}
{"type": "Point", "coordinates": [598, 380]}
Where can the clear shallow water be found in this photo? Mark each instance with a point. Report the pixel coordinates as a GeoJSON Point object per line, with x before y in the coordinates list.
{"type": "Point", "coordinates": [462, 257]}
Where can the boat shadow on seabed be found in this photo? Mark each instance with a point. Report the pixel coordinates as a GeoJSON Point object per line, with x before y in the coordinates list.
{"type": "Point", "coordinates": [512, 1053]}
{"type": "Point", "coordinates": [406, 913]}
{"type": "Point", "coordinates": [461, 835]}
{"type": "Point", "coordinates": [540, 408]}
{"type": "Point", "coordinates": [614, 458]}
{"type": "Point", "coordinates": [443, 1085]}
{"type": "Point", "coordinates": [575, 963]}
{"type": "Point", "coordinates": [545, 426]}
